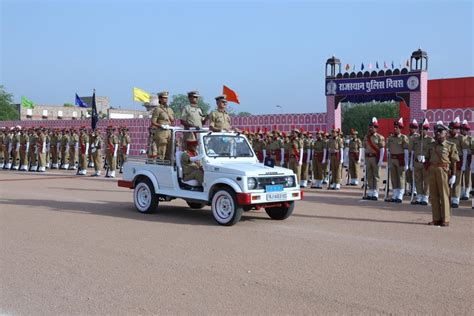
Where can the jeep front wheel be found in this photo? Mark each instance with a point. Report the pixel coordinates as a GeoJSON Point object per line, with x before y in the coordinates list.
{"type": "Point", "coordinates": [144, 197]}
{"type": "Point", "coordinates": [280, 212]}
{"type": "Point", "coordinates": [224, 207]}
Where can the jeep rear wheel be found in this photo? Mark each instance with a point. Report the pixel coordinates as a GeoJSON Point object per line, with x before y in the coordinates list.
{"type": "Point", "coordinates": [144, 197]}
{"type": "Point", "coordinates": [280, 212]}
{"type": "Point", "coordinates": [224, 207]}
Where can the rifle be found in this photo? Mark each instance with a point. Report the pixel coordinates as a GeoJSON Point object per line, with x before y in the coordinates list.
{"type": "Point", "coordinates": [329, 174]}
{"type": "Point", "coordinates": [387, 181]}
{"type": "Point", "coordinates": [364, 197]}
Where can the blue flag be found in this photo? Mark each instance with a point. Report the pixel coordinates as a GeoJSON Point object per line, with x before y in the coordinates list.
{"type": "Point", "coordinates": [377, 64]}
{"type": "Point", "coordinates": [393, 66]}
{"type": "Point", "coordinates": [80, 103]}
{"type": "Point", "coordinates": [362, 66]}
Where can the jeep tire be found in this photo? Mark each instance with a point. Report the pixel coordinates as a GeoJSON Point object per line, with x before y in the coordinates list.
{"type": "Point", "coordinates": [224, 207]}
{"type": "Point", "coordinates": [144, 197]}
{"type": "Point", "coordinates": [281, 212]}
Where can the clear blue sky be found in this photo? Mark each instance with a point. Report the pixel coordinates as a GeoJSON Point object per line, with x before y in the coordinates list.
{"type": "Point", "coordinates": [270, 52]}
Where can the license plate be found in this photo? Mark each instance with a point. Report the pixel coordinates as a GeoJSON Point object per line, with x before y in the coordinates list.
{"type": "Point", "coordinates": [274, 188]}
{"type": "Point", "coordinates": [276, 196]}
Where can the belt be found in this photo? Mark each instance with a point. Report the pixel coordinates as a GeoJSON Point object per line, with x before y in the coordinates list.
{"type": "Point", "coordinates": [440, 164]}
{"type": "Point", "coordinates": [396, 156]}
{"type": "Point", "coordinates": [370, 155]}
{"type": "Point", "coordinates": [354, 152]}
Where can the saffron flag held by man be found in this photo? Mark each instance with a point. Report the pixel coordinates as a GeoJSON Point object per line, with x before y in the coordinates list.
{"type": "Point", "coordinates": [81, 103]}
{"type": "Point", "coordinates": [230, 94]}
{"type": "Point", "coordinates": [140, 95]}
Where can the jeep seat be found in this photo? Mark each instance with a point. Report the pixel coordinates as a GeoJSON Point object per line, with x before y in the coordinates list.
{"type": "Point", "coordinates": [193, 183]}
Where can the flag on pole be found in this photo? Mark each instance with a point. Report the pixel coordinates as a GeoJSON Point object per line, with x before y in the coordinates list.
{"type": "Point", "coordinates": [407, 63]}
{"type": "Point", "coordinates": [26, 103]}
{"type": "Point", "coordinates": [377, 64]}
{"type": "Point", "coordinates": [348, 67]}
{"type": "Point", "coordinates": [140, 95]}
{"type": "Point", "coordinates": [385, 65]}
{"type": "Point", "coordinates": [81, 103]}
{"type": "Point", "coordinates": [231, 96]}
{"type": "Point", "coordinates": [94, 115]}
{"type": "Point", "coordinates": [370, 65]}
{"type": "Point", "coordinates": [393, 65]}
{"type": "Point", "coordinates": [362, 66]}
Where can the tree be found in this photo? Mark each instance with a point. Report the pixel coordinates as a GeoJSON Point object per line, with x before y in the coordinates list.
{"type": "Point", "coordinates": [244, 113]}
{"type": "Point", "coordinates": [358, 115]}
{"type": "Point", "coordinates": [69, 105]}
{"type": "Point", "coordinates": [8, 110]}
{"type": "Point", "coordinates": [179, 101]}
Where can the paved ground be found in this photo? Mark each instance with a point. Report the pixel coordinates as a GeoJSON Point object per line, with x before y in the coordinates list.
{"type": "Point", "coordinates": [76, 245]}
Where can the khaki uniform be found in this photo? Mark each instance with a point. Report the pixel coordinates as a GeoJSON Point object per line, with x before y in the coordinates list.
{"type": "Point", "coordinates": [408, 173]}
{"type": "Point", "coordinates": [15, 150]}
{"type": "Point", "coordinates": [191, 170]}
{"type": "Point", "coordinates": [111, 151]}
{"type": "Point", "coordinates": [334, 147]}
{"type": "Point", "coordinates": [54, 145]}
{"type": "Point", "coordinates": [219, 120]}
{"type": "Point", "coordinates": [162, 115]}
{"type": "Point", "coordinates": [295, 148]}
{"type": "Point", "coordinates": [372, 148]}
{"type": "Point", "coordinates": [97, 144]}
{"type": "Point", "coordinates": [258, 147]}
{"type": "Point", "coordinates": [466, 177]}
{"type": "Point", "coordinates": [191, 116]}
{"type": "Point", "coordinates": [461, 144]}
{"type": "Point", "coordinates": [397, 146]}
{"type": "Point", "coordinates": [2, 157]}
{"type": "Point", "coordinates": [48, 148]}
{"type": "Point", "coordinates": [33, 151]}
{"type": "Point", "coordinates": [442, 158]}
{"type": "Point", "coordinates": [418, 146]}
{"type": "Point", "coordinates": [355, 146]}
{"type": "Point", "coordinates": [274, 150]}
{"type": "Point", "coordinates": [83, 151]}
{"type": "Point", "coordinates": [41, 145]}
{"type": "Point", "coordinates": [7, 143]}
{"type": "Point", "coordinates": [73, 150]}
{"type": "Point", "coordinates": [318, 156]}
{"type": "Point", "coordinates": [125, 142]}
{"type": "Point", "coordinates": [24, 144]}
{"type": "Point", "coordinates": [64, 149]}
{"type": "Point", "coordinates": [306, 158]}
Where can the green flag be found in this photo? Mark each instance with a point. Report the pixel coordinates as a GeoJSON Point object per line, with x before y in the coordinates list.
{"type": "Point", "coordinates": [28, 104]}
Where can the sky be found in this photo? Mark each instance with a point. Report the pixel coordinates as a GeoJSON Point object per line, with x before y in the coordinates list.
{"type": "Point", "coordinates": [272, 53]}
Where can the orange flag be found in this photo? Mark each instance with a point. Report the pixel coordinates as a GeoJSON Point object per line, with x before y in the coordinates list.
{"type": "Point", "coordinates": [231, 95]}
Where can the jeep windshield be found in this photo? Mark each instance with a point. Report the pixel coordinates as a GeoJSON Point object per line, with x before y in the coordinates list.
{"type": "Point", "coordinates": [227, 146]}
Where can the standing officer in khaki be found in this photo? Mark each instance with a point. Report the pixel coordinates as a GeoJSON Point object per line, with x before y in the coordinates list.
{"type": "Point", "coordinates": [355, 156]}
{"type": "Point", "coordinates": [41, 147]}
{"type": "Point", "coordinates": [54, 143]}
{"type": "Point", "coordinates": [7, 148]}
{"type": "Point", "coordinates": [466, 177]}
{"type": "Point", "coordinates": [33, 150]}
{"type": "Point", "coordinates": [418, 146]}
{"type": "Point", "coordinates": [192, 116]}
{"type": "Point", "coordinates": [220, 119]}
{"type": "Point", "coordinates": [296, 154]}
{"type": "Point", "coordinates": [335, 147]}
{"type": "Point", "coordinates": [111, 152]}
{"type": "Point", "coordinates": [64, 149]}
{"type": "Point", "coordinates": [24, 146]}
{"type": "Point", "coordinates": [374, 151]}
{"type": "Point", "coordinates": [397, 150]}
{"type": "Point", "coordinates": [83, 150]}
{"type": "Point", "coordinates": [2, 138]}
{"type": "Point", "coordinates": [462, 148]}
{"type": "Point", "coordinates": [319, 151]}
{"type": "Point", "coordinates": [16, 148]}
{"type": "Point", "coordinates": [413, 133]}
{"type": "Point", "coordinates": [47, 134]}
{"type": "Point", "coordinates": [125, 142]}
{"type": "Point", "coordinates": [442, 156]}
{"type": "Point", "coordinates": [73, 148]}
{"type": "Point", "coordinates": [161, 119]}
{"type": "Point", "coordinates": [275, 148]}
{"type": "Point", "coordinates": [306, 158]}
{"type": "Point", "coordinates": [97, 144]}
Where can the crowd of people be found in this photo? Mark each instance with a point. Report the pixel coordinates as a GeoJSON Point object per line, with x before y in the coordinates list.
{"type": "Point", "coordinates": [37, 149]}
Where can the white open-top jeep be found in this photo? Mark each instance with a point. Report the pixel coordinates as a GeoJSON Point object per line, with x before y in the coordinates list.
{"type": "Point", "coordinates": [234, 180]}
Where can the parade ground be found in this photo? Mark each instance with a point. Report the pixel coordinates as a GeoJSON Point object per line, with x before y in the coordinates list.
{"type": "Point", "coordinates": [76, 245]}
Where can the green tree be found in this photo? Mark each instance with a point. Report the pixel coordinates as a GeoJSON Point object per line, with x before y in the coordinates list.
{"type": "Point", "coordinates": [8, 111]}
{"type": "Point", "coordinates": [244, 113]}
{"type": "Point", "coordinates": [69, 105]}
{"type": "Point", "coordinates": [358, 115]}
{"type": "Point", "coordinates": [179, 101]}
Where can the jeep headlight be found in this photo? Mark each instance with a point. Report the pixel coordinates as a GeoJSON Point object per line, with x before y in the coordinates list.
{"type": "Point", "coordinates": [290, 181]}
{"type": "Point", "coordinates": [251, 183]}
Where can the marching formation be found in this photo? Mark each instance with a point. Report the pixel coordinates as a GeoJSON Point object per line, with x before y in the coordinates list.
{"type": "Point", "coordinates": [37, 149]}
